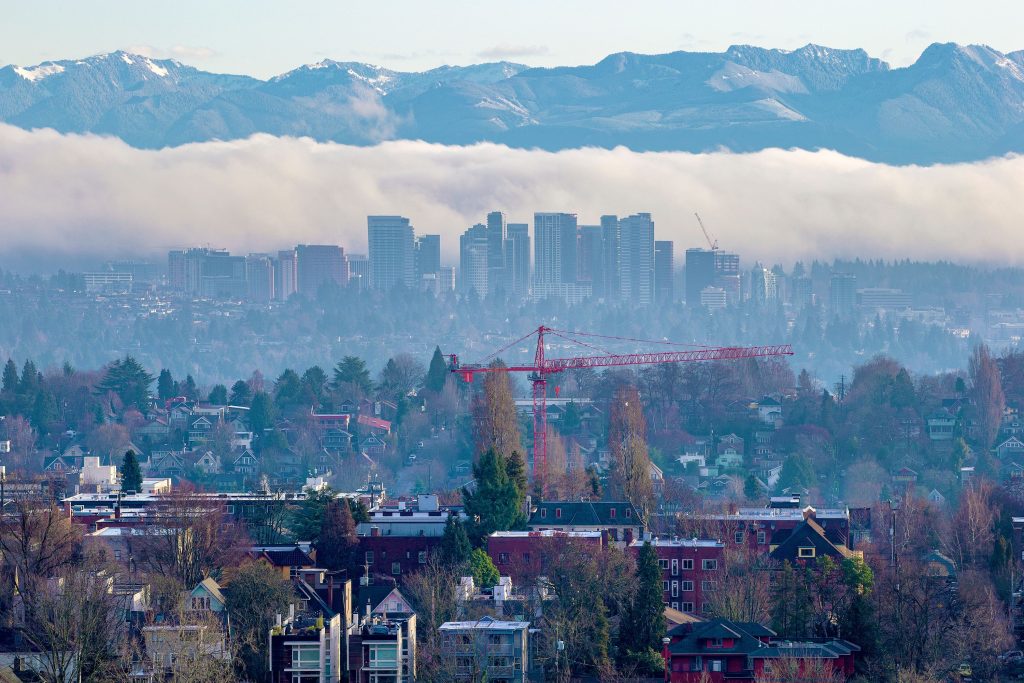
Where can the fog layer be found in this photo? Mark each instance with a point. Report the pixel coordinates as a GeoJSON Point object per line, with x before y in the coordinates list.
{"type": "Point", "coordinates": [74, 198]}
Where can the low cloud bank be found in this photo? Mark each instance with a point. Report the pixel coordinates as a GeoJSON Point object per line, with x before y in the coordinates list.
{"type": "Point", "coordinates": [72, 197]}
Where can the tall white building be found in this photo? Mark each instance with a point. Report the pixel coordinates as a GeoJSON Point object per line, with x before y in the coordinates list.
{"type": "Point", "coordinates": [474, 263]}
{"type": "Point", "coordinates": [392, 252]}
{"type": "Point", "coordinates": [636, 259]}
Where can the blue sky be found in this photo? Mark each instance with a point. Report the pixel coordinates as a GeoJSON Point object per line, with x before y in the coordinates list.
{"type": "Point", "coordinates": [266, 37]}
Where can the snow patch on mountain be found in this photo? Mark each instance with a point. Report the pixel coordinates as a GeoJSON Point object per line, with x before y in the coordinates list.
{"type": "Point", "coordinates": [38, 73]}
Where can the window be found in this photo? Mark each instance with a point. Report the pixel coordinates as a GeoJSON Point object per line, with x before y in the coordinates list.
{"type": "Point", "coordinates": [687, 564]}
{"type": "Point", "coordinates": [306, 657]}
{"type": "Point", "coordinates": [675, 605]}
{"type": "Point", "coordinates": [805, 552]}
{"type": "Point", "coordinates": [663, 564]}
{"type": "Point", "coordinates": [369, 557]}
{"type": "Point", "coordinates": [739, 537]}
{"type": "Point", "coordinates": [230, 509]}
{"type": "Point", "coordinates": [502, 558]}
{"type": "Point", "coordinates": [761, 537]}
{"type": "Point", "coordinates": [664, 585]}
{"type": "Point", "coordinates": [715, 642]}
{"type": "Point", "coordinates": [675, 567]}
{"type": "Point", "coordinates": [675, 589]}
{"type": "Point", "coordinates": [709, 565]}
{"type": "Point", "coordinates": [629, 512]}
{"type": "Point", "coordinates": [200, 602]}
{"type": "Point", "coordinates": [715, 665]}
{"type": "Point", "coordinates": [543, 512]}
{"type": "Point", "coordinates": [396, 568]}
{"type": "Point", "coordinates": [558, 513]}
{"type": "Point", "coordinates": [611, 513]}
{"type": "Point", "coordinates": [687, 586]}
{"type": "Point", "coordinates": [117, 555]}
{"type": "Point", "coordinates": [422, 557]}
{"type": "Point", "coordinates": [707, 585]}
{"type": "Point", "coordinates": [687, 606]}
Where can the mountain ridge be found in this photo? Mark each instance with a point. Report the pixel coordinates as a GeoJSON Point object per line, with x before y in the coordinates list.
{"type": "Point", "coordinates": [955, 103]}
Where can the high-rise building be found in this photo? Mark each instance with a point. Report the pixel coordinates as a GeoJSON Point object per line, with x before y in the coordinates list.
{"type": "Point", "coordinates": [554, 248]}
{"type": "Point", "coordinates": [496, 236]}
{"type": "Point", "coordinates": [446, 280]}
{"type": "Point", "coordinates": [664, 272]}
{"type": "Point", "coordinates": [222, 276]}
{"type": "Point", "coordinates": [801, 291]}
{"type": "Point", "coordinates": [319, 264]}
{"type": "Point", "coordinates": [392, 261]}
{"type": "Point", "coordinates": [428, 255]}
{"type": "Point", "coordinates": [610, 238]}
{"type": "Point", "coordinates": [176, 269]}
{"type": "Point", "coordinates": [259, 276]}
{"type": "Point", "coordinates": [591, 258]}
{"type": "Point", "coordinates": [636, 259]}
{"type": "Point", "coordinates": [517, 259]}
{"type": "Point", "coordinates": [359, 271]}
{"type": "Point", "coordinates": [843, 293]}
{"type": "Point", "coordinates": [713, 298]}
{"type": "Point", "coordinates": [474, 264]}
{"type": "Point", "coordinates": [286, 274]}
{"type": "Point", "coordinates": [195, 265]}
{"type": "Point", "coordinates": [763, 286]}
{"type": "Point", "coordinates": [700, 273]}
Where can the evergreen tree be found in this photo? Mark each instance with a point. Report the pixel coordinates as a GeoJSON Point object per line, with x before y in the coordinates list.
{"type": "Point", "coordinates": [643, 624]}
{"type": "Point", "coordinates": [437, 373]}
{"type": "Point", "coordinates": [751, 489]}
{"type": "Point", "coordinates": [792, 606]}
{"type": "Point", "coordinates": [188, 388]}
{"type": "Point", "coordinates": [796, 471]}
{"type": "Point", "coordinates": [515, 466]}
{"type": "Point", "coordinates": [165, 385]}
{"type": "Point", "coordinates": [29, 379]}
{"type": "Point", "coordinates": [455, 546]}
{"type": "Point", "coordinates": [351, 371]}
{"type": "Point", "coordinates": [10, 380]}
{"type": "Point", "coordinates": [131, 479]}
{"type": "Point", "coordinates": [485, 574]}
{"type": "Point", "coordinates": [241, 394]}
{"type": "Point", "coordinates": [493, 505]}
{"type": "Point", "coordinates": [44, 411]}
{"type": "Point", "coordinates": [129, 380]}
{"type": "Point", "coordinates": [261, 413]}
{"type": "Point", "coordinates": [287, 389]}
{"type": "Point", "coordinates": [337, 546]}
{"type": "Point", "coordinates": [218, 395]}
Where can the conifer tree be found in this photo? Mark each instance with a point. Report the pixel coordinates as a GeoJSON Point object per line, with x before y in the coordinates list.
{"type": "Point", "coordinates": [437, 373]}
{"type": "Point", "coordinates": [131, 479]}
{"type": "Point", "coordinates": [10, 380]}
{"type": "Point", "coordinates": [493, 505]}
{"type": "Point", "coordinates": [218, 395]}
{"type": "Point", "coordinates": [165, 385]}
{"type": "Point", "coordinates": [455, 546]}
{"type": "Point", "coordinates": [241, 394]}
{"type": "Point", "coordinates": [643, 625]}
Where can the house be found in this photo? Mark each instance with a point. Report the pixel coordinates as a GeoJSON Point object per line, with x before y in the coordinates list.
{"type": "Point", "coordinates": [721, 650]}
{"type": "Point", "coordinates": [941, 425]}
{"type": "Point", "coordinates": [381, 598]}
{"type": "Point", "coordinates": [374, 446]}
{"type": "Point", "coordinates": [487, 649]}
{"type": "Point", "coordinates": [306, 647]}
{"type": "Point", "coordinates": [373, 425]}
{"type": "Point", "coordinates": [383, 650]}
{"type": "Point", "coordinates": [199, 430]}
{"type": "Point", "coordinates": [1012, 448]}
{"type": "Point", "coordinates": [690, 569]}
{"type": "Point", "coordinates": [208, 463]}
{"type": "Point", "coordinates": [807, 543]}
{"type": "Point", "coordinates": [207, 597]}
{"type": "Point", "coordinates": [729, 452]}
{"type": "Point", "coordinates": [286, 560]}
{"type": "Point", "coordinates": [176, 645]}
{"type": "Point", "coordinates": [769, 410]}
{"type": "Point", "coordinates": [619, 519]}
{"type": "Point", "coordinates": [245, 462]}
{"type": "Point", "coordinates": [904, 477]}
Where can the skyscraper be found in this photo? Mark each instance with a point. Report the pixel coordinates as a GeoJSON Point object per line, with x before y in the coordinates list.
{"type": "Point", "coordinates": [259, 275]}
{"type": "Point", "coordinates": [428, 255]}
{"type": "Point", "coordinates": [843, 293]}
{"type": "Point", "coordinates": [496, 235]}
{"type": "Point", "coordinates": [610, 239]}
{"type": "Point", "coordinates": [359, 271]}
{"type": "Point", "coordinates": [664, 273]}
{"type": "Point", "coordinates": [474, 264]}
{"type": "Point", "coordinates": [763, 286]}
{"type": "Point", "coordinates": [176, 269]}
{"type": "Point", "coordinates": [392, 260]}
{"type": "Point", "coordinates": [319, 264]}
{"type": "Point", "coordinates": [700, 273]}
{"type": "Point", "coordinates": [591, 258]}
{"type": "Point", "coordinates": [286, 274]}
{"type": "Point", "coordinates": [517, 259]}
{"type": "Point", "coordinates": [636, 259]}
{"type": "Point", "coordinates": [727, 274]}
{"type": "Point", "coordinates": [555, 248]}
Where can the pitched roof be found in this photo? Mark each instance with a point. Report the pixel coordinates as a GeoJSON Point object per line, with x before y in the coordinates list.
{"type": "Point", "coordinates": [213, 588]}
{"type": "Point", "coordinates": [293, 557]}
{"type": "Point", "coordinates": [745, 636]}
{"type": "Point", "coordinates": [808, 534]}
{"type": "Point", "coordinates": [585, 513]}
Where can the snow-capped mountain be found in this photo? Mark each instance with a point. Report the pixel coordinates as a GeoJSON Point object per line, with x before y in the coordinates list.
{"type": "Point", "coordinates": [955, 103]}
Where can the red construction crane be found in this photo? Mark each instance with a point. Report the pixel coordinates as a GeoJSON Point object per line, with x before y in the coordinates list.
{"type": "Point", "coordinates": [543, 367]}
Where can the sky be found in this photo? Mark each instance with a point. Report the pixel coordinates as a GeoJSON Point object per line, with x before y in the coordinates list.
{"type": "Point", "coordinates": [267, 37]}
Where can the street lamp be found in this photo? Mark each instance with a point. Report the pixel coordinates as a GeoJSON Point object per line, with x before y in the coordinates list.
{"type": "Point", "coordinates": [664, 653]}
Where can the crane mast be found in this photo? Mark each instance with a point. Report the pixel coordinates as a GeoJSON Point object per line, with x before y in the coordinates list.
{"type": "Point", "coordinates": [712, 244]}
{"type": "Point", "coordinates": [543, 367]}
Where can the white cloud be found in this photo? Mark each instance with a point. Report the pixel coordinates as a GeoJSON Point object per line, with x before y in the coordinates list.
{"type": "Point", "coordinates": [182, 52]}
{"type": "Point", "coordinates": [71, 195]}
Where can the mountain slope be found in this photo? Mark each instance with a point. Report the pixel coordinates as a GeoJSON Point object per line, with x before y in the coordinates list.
{"type": "Point", "coordinates": [955, 103]}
